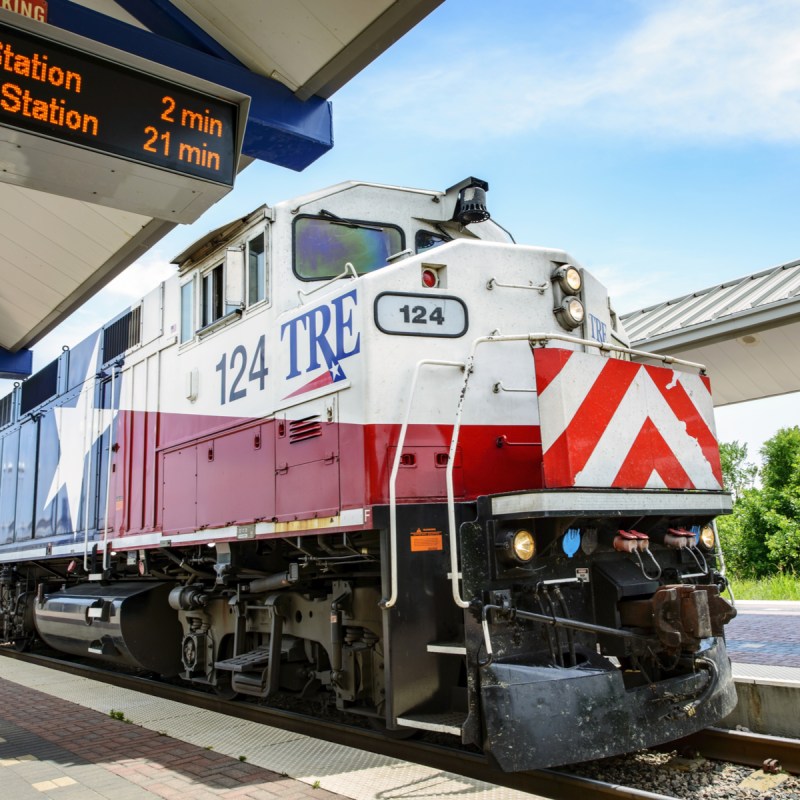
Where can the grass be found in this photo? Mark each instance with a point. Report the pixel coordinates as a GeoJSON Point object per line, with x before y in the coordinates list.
{"type": "Point", "coordinates": [778, 587]}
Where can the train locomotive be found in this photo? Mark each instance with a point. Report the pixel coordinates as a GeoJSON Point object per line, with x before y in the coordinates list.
{"type": "Point", "coordinates": [365, 452]}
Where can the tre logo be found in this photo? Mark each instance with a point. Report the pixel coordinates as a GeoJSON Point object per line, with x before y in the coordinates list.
{"type": "Point", "coordinates": [323, 336]}
{"type": "Point", "coordinates": [597, 328]}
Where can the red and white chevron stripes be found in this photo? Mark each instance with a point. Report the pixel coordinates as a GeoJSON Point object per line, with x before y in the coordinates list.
{"type": "Point", "coordinates": [607, 422]}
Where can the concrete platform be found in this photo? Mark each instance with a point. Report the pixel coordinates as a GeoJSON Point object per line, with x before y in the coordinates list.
{"type": "Point", "coordinates": [51, 747]}
{"type": "Point", "coordinates": [764, 645]}
{"type": "Point", "coordinates": [57, 739]}
{"type": "Point", "coordinates": [60, 742]}
{"type": "Point", "coordinates": [768, 699]}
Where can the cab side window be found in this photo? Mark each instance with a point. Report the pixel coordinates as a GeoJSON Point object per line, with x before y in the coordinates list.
{"type": "Point", "coordinates": [222, 292]}
{"type": "Point", "coordinates": [187, 311]}
{"type": "Point", "coordinates": [257, 276]}
{"type": "Point", "coordinates": [212, 295]}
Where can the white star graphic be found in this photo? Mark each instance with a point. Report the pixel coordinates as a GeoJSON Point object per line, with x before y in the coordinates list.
{"type": "Point", "coordinates": [75, 443]}
{"type": "Point", "coordinates": [336, 370]}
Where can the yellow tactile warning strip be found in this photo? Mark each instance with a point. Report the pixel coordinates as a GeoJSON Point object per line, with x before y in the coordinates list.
{"type": "Point", "coordinates": [44, 786]}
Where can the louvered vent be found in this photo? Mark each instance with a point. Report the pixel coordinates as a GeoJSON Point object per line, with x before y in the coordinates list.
{"type": "Point", "coordinates": [302, 429]}
{"type": "Point", "coordinates": [5, 410]}
{"type": "Point", "coordinates": [39, 387]}
{"type": "Point", "coordinates": [123, 334]}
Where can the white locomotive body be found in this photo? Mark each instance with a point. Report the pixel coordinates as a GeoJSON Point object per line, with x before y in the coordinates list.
{"type": "Point", "coordinates": [363, 446]}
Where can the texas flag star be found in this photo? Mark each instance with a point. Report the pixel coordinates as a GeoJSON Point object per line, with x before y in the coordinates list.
{"type": "Point", "coordinates": [75, 441]}
{"type": "Point", "coordinates": [336, 371]}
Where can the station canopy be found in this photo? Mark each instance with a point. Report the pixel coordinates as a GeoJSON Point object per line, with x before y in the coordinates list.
{"type": "Point", "coordinates": [80, 199]}
{"type": "Point", "coordinates": [746, 332]}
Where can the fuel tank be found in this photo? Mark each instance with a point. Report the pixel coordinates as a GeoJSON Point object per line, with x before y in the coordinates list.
{"type": "Point", "coordinates": [130, 624]}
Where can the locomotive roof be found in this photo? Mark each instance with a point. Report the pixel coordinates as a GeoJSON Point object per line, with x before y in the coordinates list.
{"type": "Point", "coordinates": [344, 186]}
{"type": "Point", "coordinates": [213, 239]}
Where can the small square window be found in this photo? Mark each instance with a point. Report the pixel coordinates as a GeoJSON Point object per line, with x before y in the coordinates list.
{"type": "Point", "coordinates": [187, 311]}
{"type": "Point", "coordinates": [213, 289]}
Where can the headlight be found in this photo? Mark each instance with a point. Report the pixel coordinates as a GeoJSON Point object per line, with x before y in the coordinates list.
{"type": "Point", "coordinates": [570, 312]}
{"type": "Point", "coordinates": [707, 539]}
{"type": "Point", "coordinates": [568, 278]}
{"type": "Point", "coordinates": [524, 546]}
{"type": "Point", "coordinates": [515, 548]}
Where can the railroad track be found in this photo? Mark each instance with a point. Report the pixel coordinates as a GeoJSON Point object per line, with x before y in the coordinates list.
{"type": "Point", "coordinates": [743, 748]}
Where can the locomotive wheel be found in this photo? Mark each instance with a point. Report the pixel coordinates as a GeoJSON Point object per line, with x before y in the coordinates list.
{"type": "Point", "coordinates": [379, 726]}
{"type": "Point", "coordinates": [24, 644]}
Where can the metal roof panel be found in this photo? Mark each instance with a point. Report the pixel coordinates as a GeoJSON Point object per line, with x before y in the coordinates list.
{"type": "Point", "coordinates": [727, 299]}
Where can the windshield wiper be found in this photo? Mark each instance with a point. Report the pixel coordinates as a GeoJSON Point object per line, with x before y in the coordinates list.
{"type": "Point", "coordinates": [348, 222]}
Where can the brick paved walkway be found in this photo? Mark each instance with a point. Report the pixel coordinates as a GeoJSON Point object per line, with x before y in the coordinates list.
{"type": "Point", "coordinates": [53, 748]}
{"type": "Point", "coordinates": [762, 638]}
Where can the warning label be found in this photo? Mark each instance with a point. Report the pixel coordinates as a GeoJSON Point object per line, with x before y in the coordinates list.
{"type": "Point", "coordinates": [425, 539]}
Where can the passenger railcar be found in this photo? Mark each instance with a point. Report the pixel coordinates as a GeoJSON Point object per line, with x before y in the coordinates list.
{"type": "Point", "coordinates": [364, 448]}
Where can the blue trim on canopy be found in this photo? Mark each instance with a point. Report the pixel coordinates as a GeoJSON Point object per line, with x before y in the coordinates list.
{"type": "Point", "coordinates": [15, 365]}
{"type": "Point", "coordinates": [162, 18]}
{"type": "Point", "coordinates": [280, 129]}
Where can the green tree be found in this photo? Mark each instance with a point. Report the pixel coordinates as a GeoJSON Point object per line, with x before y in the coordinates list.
{"type": "Point", "coordinates": [743, 537]}
{"type": "Point", "coordinates": [738, 473]}
{"type": "Point", "coordinates": [781, 456]}
{"type": "Point", "coordinates": [762, 535]}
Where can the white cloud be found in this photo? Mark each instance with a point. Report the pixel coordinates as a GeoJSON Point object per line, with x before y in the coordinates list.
{"type": "Point", "coordinates": [138, 279]}
{"type": "Point", "coordinates": [630, 287]}
{"type": "Point", "coordinates": [716, 69]}
{"type": "Point", "coordinates": [709, 68]}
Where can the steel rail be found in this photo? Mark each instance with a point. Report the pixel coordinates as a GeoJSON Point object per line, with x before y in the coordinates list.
{"type": "Point", "coordinates": [742, 747]}
{"type": "Point", "coordinates": [547, 782]}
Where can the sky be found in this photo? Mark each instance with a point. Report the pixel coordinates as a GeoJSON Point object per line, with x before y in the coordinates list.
{"type": "Point", "coordinates": [657, 142]}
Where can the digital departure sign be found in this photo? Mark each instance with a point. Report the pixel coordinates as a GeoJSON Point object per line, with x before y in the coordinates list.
{"type": "Point", "coordinates": [70, 96]}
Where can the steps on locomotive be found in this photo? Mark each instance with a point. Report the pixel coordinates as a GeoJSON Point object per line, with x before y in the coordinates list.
{"type": "Point", "coordinates": [255, 659]}
{"type": "Point", "coordinates": [448, 648]}
{"type": "Point", "coordinates": [250, 672]}
{"type": "Point", "coordinates": [440, 722]}
{"type": "Point", "coordinates": [445, 715]}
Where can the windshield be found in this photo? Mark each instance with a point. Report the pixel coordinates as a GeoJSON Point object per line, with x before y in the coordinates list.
{"type": "Point", "coordinates": [322, 246]}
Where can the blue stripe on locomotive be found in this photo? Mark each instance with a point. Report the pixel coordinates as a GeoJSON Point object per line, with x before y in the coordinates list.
{"type": "Point", "coordinates": [35, 500]}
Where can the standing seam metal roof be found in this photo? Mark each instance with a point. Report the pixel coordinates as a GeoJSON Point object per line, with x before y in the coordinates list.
{"type": "Point", "coordinates": [727, 299]}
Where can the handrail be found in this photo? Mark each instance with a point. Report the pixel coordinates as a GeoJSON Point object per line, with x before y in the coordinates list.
{"type": "Point", "coordinates": [108, 467]}
{"type": "Point", "coordinates": [396, 468]}
{"type": "Point", "coordinates": [533, 339]}
{"type": "Point", "coordinates": [721, 559]}
{"type": "Point", "coordinates": [498, 387]}
{"type": "Point", "coordinates": [541, 288]}
{"type": "Point", "coordinates": [349, 269]}
{"type": "Point", "coordinates": [88, 430]}
{"type": "Point", "coordinates": [467, 367]}
{"type": "Point", "coordinates": [543, 338]}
